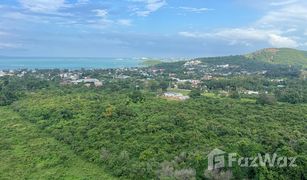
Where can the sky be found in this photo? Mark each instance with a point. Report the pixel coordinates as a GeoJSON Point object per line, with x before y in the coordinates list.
{"type": "Point", "coordinates": [149, 28]}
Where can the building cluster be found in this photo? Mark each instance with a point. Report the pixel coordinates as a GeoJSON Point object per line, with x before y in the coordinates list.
{"type": "Point", "coordinates": [70, 76]}
{"type": "Point", "coordinates": [184, 76]}
{"type": "Point", "coordinates": [192, 63]}
{"type": "Point", "coordinates": [6, 73]}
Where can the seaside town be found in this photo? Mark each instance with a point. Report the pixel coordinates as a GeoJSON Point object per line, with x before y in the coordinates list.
{"type": "Point", "coordinates": [153, 90]}
{"type": "Point", "coordinates": [176, 80]}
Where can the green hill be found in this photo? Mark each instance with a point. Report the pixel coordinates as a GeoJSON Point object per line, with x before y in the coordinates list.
{"type": "Point", "coordinates": [281, 56]}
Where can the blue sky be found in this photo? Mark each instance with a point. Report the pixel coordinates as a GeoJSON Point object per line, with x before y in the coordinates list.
{"type": "Point", "coordinates": [151, 28]}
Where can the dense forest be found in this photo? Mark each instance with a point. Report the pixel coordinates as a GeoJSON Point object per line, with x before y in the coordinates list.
{"type": "Point", "coordinates": [138, 140]}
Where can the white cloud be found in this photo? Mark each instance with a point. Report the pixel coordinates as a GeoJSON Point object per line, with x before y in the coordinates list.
{"type": "Point", "coordinates": [195, 10]}
{"type": "Point", "coordinates": [279, 41]}
{"type": "Point", "coordinates": [288, 15]}
{"type": "Point", "coordinates": [242, 34]}
{"type": "Point", "coordinates": [154, 5]}
{"type": "Point", "coordinates": [150, 6]}
{"type": "Point", "coordinates": [284, 25]}
{"type": "Point", "coordinates": [282, 3]}
{"type": "Point", "coordinates": [104, 21]}
{"type": "Point", "coordinates": [124, 22]}
{"type": "Point", "coordinates": [103, 13]}
{"type": "Point", "coordinates": [43, 6]}
{"type": "Point", "coordinates": [33, 18]}
{"type": "Point", "coordinates": [268, 4]}
{"type": "Point", "coordinates": [2, 33]}
{"type": "Point", "coordinates": [291, 30]}
{"type": "Point", "coordinates": [100, 23]}
{"type": "Point", "coordinates": [192, 34]}
{"type": "Point", "coordinates": [246, 36]}
{"type": "Point", "coordinates": [82, 2]}
{"type": "Point", "coordinates": [9, 46]}
{"type": "Point", "coordinates": [232, 34]}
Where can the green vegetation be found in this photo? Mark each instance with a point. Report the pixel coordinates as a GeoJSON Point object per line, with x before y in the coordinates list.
{"type": "Point", "coordinates": [237, 65]}
{"type": "Point", "coordinates": [52, 128]}
{"type": "Point", "coordinates": [195, 93]}
{"type": "Point", "coordinates": [281, 56]}
{"type": "Point", "coordinates": [266, 99]}
{"type": "Point", "coordinates": [142, 139]}
{"type": "Point", "coordinates": [27, 153]}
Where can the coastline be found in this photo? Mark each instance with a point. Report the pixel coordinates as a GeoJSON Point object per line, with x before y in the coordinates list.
{"type": "Point", "coordinates": [17, 63]}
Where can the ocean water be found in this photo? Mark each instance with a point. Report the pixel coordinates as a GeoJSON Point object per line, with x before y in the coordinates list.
{"type": "Point", "coordinates": [10, 63]}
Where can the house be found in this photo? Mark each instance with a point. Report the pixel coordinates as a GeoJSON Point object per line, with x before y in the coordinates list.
{"type": "Point", "coordinates": [172, 75]}
{"type": "Point", "coordinates": [175, 96]}
{"type": "Point", "coordinates": [192, 63]}
{"type": "Point", "coordinates": [277, 80]}
{"type": "Point", "coordinates": [207, 77]}
{"type": "Point", "coordinates": [123, 76]}
{"type": "Point", "coordinates": [21, 74]}
{"type": "Point", "coordinates": [2, 73]}
{"type": "Point", "coordinates": [281, 86]}
{"type": "Point", "coordinates": [223, 66]}
{"type": "Point", "coordinates": [88, 82]}
{"type": "Point", "coordinates": [249, 92]}
{"type": "Point", "coordinates": [71, 76]}
{"type": "Point", "coordinates": [195, 83]}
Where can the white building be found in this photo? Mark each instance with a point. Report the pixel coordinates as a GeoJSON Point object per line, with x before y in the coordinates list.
{"type": "Point", "coordinates": [174, 95]}
{"type": "Point", "coordinates": [192, 63]}
{"type": "Point", "coordinates": [251, 92]}
{"type": "Point", "coordinates": [88, 82]}
{"type": "Point", "coordinates": [223, 66]}
{"type": "Point", "coordinates": [2, 73]}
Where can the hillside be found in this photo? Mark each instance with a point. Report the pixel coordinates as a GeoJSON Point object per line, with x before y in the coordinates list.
{"type": "Point", "coordinates": [280, 56]}
{"type": "Point", "coordinates": [275, 61]}
{"type": "Point", "coordinates": [146, 140]}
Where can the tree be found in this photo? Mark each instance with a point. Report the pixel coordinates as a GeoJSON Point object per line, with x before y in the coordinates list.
{"type": "Point", "coordinates": [164, 85]}
{"type": "Point", "coordinates": [266, 99]}
{"type": "Point", "coordinates": [195, 93]}
{"type": "Point", "coordinates": [7, 97]}
{"type": "Point", "coordinates": [186, 85]}
{"type": "Point", "coordinates": [136, 96]}
{"type": "Point", "coordinates": [153, 86]}
{"type": "Point", "coordinates": [292, 96]}
{"type": "Point", "coordinates": [235, 95]}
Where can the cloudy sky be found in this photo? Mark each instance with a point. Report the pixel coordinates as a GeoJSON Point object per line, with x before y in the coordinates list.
{"type": "Point", "coordinates": [156, 28]}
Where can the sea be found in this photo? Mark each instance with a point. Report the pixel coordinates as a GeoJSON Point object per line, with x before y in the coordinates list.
{"type": "Point", "coordinates": [15, 63]}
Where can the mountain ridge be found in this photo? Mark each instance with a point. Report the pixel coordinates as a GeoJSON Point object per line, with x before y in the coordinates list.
{"type": "Point", "coordinates": [287, 56]}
